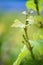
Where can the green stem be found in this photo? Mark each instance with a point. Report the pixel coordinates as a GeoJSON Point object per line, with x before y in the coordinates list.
{"type": "Point", "coordinates": [27, 39]}
{"type": "Point", "coordinates": [28, 45]}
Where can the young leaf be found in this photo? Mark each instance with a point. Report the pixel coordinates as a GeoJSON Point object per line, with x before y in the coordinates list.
{"type": "Point", "coordinates": [30, 5]}
{"type": "Point", "coordinates": [23, 53]}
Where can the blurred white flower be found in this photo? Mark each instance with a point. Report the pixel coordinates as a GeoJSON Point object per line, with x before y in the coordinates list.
{"type": "Point", "coordinates": [18, 24]}
{"type": "Point", "coordinates": [24, 12]}
{"type": "Point", "coordinates": [30, 20]}
{"type": "Point", "coordinates": [31, 11]}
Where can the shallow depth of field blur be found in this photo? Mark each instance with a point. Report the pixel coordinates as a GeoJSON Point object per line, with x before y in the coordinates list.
{"type": "Point", "coordinates": [11, 38]}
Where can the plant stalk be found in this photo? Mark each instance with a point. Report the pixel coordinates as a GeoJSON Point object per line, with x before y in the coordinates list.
{"type": "Point", "coordinates": [27, 39]}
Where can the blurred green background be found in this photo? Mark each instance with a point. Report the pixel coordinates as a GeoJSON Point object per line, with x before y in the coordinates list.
{"type": "Point", "coordinates": [11, 38]}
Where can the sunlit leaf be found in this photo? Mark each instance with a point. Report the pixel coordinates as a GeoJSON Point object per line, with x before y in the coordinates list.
{"type": "Point", "coordinates": [23, 53]}
{"type": "Point", "coordinates": [30, 5]}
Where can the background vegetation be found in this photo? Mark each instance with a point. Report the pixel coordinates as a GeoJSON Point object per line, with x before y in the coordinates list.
{"type": "Point", "coordinates": [11, 37]}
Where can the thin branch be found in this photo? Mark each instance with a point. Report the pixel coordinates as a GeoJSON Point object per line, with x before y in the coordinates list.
{"type": "Point", "coordinates": [27, 39]}
{"type": "Point", "coordinates": [27, 43]}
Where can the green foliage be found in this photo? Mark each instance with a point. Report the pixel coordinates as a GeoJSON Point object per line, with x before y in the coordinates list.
{"type": "Point", "coordinates": [36, 43]}
{"type": "Point", "coordinates": [12, 41]}
{"type": "Point", "coordinates": [38, 51]}
{"type": "Point", "coordinates": [31, 5]}
{"type": "Point", "coordinates": [23, 53]}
